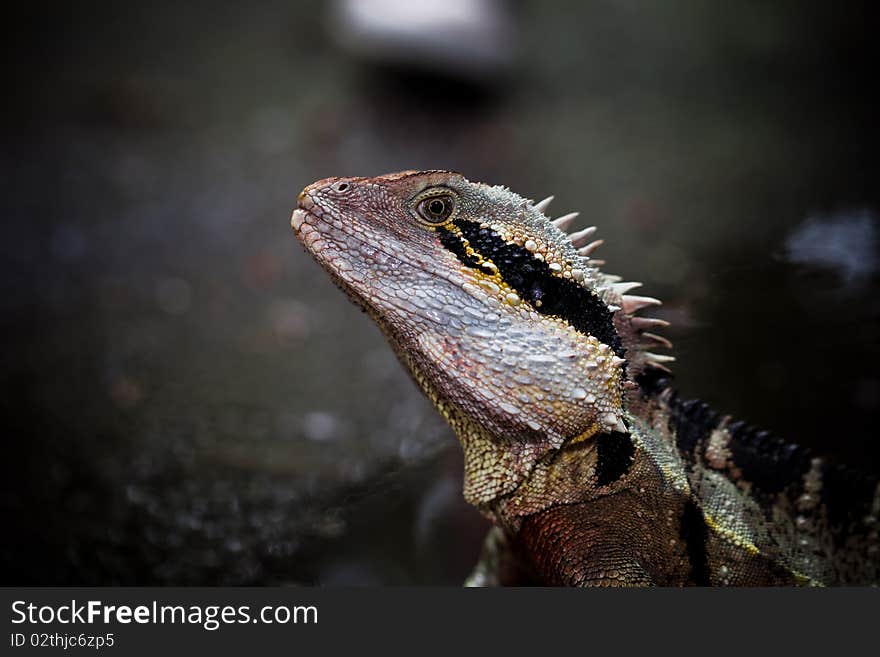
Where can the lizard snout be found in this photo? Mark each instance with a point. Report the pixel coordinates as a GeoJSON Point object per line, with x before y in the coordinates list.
{"type": "Point", "coordinates": [304, 204]}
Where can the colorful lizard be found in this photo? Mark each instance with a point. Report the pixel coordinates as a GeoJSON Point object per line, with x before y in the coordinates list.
{"type": "Point", "coordinates": [591, 468]}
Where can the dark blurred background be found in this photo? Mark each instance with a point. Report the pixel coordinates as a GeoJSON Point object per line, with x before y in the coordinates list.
{"type": "Point", "coordinates": [189, 400]}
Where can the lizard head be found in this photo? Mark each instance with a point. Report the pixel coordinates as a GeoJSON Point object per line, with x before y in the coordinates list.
{"type": "Point", "coordinates": [503, 319]}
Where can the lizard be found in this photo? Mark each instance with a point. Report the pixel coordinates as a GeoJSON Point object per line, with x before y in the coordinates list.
{"type": "Point", "coordinates": [592, 469]}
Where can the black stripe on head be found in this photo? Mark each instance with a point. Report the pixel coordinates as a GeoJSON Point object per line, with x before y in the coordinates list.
{"type": "Point", "coordinates": [614, 456]}
{"type": "Point", "coordinates": [694, 532]}
{"type": "Point", "coordinates": [534, 282]}
{"type": "Point", "coordinates": [455, 244]}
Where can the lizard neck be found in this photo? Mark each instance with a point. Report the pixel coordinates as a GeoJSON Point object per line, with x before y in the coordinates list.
{"type": "Point", "coordinates": [595, 464]}
{"type": "Point", "coordinates": [511, 424]}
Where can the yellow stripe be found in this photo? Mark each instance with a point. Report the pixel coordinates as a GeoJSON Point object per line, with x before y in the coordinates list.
{"type": "Point", "coordinates": [731, 535]}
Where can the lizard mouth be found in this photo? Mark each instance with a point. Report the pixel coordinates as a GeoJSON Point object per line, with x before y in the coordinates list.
{"type": "Point", "coordinates": [303, 219]}
{"type": "Point", "coordinates": [301, 211]}
{"type": "Point", "coordinates": [303, 229]}
{"type": "Point", "coordinates": [297, 218]}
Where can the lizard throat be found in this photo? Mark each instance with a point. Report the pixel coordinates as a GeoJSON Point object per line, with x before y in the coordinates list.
{"type": "Point", "coordinates": [532, 279]}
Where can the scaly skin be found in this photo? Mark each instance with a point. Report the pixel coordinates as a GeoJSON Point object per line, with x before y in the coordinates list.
{"type": "Point", "coordinates": [575, 445]}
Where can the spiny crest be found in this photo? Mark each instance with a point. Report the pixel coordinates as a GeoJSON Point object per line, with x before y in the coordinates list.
{"type": "Point", "coordinates": [636, 331]}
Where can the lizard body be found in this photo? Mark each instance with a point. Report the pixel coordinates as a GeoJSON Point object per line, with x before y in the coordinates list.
{"type": "Point", "coordinates": [591, 468]}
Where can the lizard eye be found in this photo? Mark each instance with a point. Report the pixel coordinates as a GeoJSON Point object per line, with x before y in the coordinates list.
{"type": "Point", "coordinates": [437, 209]}
{"type": "Point", "coordinates": [340, 186]}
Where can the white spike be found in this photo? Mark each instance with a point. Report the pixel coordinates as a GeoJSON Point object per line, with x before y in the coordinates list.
{"type": "Point", "coordinates": [659, 358]}
{"type": "Point", "coordinates": [623, 288]}
{"type": "Point", "coordinates": [631, 303]}
{"type": "Point", "coordinates": [659, 340]}
{"type": "Point", "coordinates": [658, 366]}
{"type": "Point", "coordinates": [595, 263]}
{"type": "Point", "coordinates": [543, 205]}
{"type": "Point", "coordinates": [564, 222]}
{"type": "Point", "coordinates": [618, 361]}
{"type": "Point", "coordinates": [648, 323]}
{"type": "Point", "coordinates": [580, 238]}
{"type": "Point", "coordinates": [589, 248]}
{"type": "Point", "coordinates": [613, 308]}
{"type": "Point", "coordinates": [611, 278]}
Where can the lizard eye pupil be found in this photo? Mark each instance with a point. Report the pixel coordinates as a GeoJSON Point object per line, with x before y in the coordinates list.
{"type": "Point", "coordinates": [436, 210]}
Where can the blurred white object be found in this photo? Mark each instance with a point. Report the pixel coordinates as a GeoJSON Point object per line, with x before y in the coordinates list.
{"type": "Point", "coordinates": [466, 38]}
{"type": "Point", "coordinates": [844, 242]}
